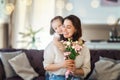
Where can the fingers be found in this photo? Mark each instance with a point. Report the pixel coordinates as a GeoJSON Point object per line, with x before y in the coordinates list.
{"type": "Point", "coordinates": [71, 67]}
{"type": "Point", "coordinates": [70, 64]}
{"type": "Point", "coordinates": [67, 63]}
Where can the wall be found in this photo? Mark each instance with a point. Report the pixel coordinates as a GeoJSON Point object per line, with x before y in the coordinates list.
{"type": "Point", "coordinates": [3, 16]}
{"type": "Point", "coordinates": [96, 17]}
{"type": "Point", "coordinates": [39, 15]}
{"type": "Point", "coordinates": [97, 31]}
{"type": "Point", "coordinates": [89, 11]}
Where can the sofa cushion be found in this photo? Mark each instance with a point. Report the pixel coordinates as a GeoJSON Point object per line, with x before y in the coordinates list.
{"type": "Point", "coordinates": [106, 69]}
{"type": "Point", "coordinates": [35, 58]}
{"type": "Point", "coordinates": [5, 56]}
{"type": "Point", "coordinates": [22, 67]}
{"type": "Point", "coordinates": [95, 54]}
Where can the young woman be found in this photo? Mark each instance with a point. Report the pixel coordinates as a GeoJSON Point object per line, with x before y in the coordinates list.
{"type": "Point", "coordinates": [54, 61]}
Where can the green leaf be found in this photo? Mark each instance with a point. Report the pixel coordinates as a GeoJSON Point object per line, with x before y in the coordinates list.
{"type": "Point", "coordinates": [38, 30]}
{"type": "Point", "coordinates": [24, 34]}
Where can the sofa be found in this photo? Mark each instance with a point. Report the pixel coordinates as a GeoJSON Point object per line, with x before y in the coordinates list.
{"type": "Point", "coordinates": [35, 58]}
{"type": "Point", "coordinates": [111, 61]}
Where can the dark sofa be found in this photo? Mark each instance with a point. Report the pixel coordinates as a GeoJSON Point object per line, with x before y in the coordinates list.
{"type": "Point", "coordinates": [36, 57]}
{"type": "Point", "coordinates": [95, 55]}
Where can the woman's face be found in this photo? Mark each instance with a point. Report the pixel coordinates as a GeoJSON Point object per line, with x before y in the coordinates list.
{"type": "Point", "coordinates": [57, 25]}
{"type": "Point", "coordinates": [68, 29]}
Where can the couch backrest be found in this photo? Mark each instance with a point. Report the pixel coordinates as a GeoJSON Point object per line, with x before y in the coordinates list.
{"type": "Point", "coordinates": [95, 55]}
{"type": "Point", "coordinates": [35, 58]}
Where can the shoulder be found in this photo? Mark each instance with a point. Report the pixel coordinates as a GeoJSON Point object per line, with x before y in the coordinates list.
{"type": "Point", "coordinates": [85, 49]}
{"type": "Point", "coordinates": [49, 46]}
{"type": "Point", "coordinates": [82, 42]}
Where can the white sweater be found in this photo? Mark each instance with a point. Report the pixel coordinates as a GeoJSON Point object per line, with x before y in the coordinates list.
{"type": "Point", "coordinates": [53, 55]}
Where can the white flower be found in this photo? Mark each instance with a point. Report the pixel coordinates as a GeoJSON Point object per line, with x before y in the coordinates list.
{"type": "Point", "coordinates": [68, 43]}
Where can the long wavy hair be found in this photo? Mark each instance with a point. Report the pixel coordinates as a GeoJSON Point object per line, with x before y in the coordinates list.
{"type": "Point", "coordinates": [77, 24]}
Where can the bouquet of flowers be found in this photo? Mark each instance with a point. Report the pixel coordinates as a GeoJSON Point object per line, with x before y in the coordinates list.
{"type": "Point", "coordinates": [72, 49]}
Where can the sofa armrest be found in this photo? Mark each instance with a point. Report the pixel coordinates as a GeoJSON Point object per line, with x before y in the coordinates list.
{"type": "Point", "coordinates": [2, 73]}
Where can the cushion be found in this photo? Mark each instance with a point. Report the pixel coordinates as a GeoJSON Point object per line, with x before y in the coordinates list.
{"type": "Point", "coordinates": [35, 58]}
{"type": "Point", "coordinates": [106, 69]}
{"type": "Point", "coordinates": [5, 56]}
{"type": "Point", "coordinates": [22, 67]}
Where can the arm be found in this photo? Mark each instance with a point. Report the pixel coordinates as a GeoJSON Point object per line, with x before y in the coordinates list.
{"type": "Point", "coordinates": [49, 56]}
{"type": "Point", "coordinates": [78, 71]}
{"type": "Point", "coordinates": [54, 67]}
{"type": "Point", "coordinates": [85, 68]}
{"type": "Point", "coordinates": [49, 59]}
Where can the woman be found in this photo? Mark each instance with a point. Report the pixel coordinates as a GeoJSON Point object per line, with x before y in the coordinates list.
{"type": "Point", "coordinates": [54, 61]}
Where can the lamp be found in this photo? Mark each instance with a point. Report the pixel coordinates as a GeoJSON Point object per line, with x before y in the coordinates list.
{"type": "Point", "coordinates": [9, 9]}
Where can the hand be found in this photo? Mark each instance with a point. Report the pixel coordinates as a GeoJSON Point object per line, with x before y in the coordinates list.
{"type": "Point", "coordinates": [72, 67]}
{"type": "Point", "coordinates": [69, 64]}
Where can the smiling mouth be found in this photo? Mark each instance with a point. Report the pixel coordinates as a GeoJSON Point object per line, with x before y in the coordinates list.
{"type": "Point", "coordinates": [65, 33]}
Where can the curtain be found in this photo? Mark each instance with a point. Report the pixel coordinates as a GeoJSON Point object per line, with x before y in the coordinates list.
{"type": "Point", "coordinates": [19, 20]}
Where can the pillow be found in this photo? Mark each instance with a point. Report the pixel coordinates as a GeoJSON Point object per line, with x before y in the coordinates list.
{"type": "Point", "coordinates": [5, 56]}
{"type": "Point", "coordinates": [106, 69]}
{"type": "Point", "coordinates": [22, 67]}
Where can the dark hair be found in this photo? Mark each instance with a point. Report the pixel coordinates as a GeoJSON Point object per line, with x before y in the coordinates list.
{"type": "Point", "coordinates": [77, 24]}
{"type": "Point", "coordinates": [55, 18]}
